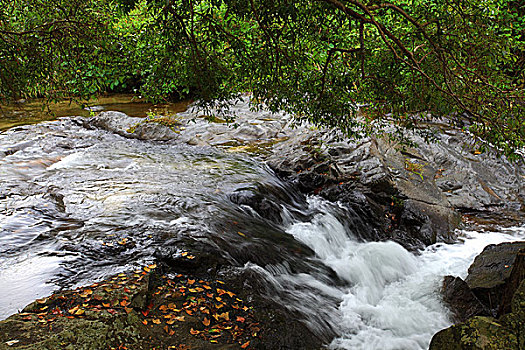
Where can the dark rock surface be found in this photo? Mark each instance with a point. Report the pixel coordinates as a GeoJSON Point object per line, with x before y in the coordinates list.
{"type": "Point", "coordinates": [485, 333]}
{"type": "Point", "coordinates": [416, 195]}
{"type": "Point", "coordinates": [498, 276]}
{"type": "Point", "coordinates": [491, 270]}
{"type": "Point", "coordinates": [461, 300]}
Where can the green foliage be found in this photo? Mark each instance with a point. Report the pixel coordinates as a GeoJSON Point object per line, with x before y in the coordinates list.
{"type": "Point", "coordinates": [401, 63]}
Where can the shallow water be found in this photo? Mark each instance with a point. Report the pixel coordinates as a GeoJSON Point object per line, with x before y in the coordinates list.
{"type": "Point", "coordinates": [37, 110]}
{"type": "Point", "coordinates": [78, 204]}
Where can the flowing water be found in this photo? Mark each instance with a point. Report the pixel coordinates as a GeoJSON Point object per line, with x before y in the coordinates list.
{"type": "Point", "coordinates": [77, 205]}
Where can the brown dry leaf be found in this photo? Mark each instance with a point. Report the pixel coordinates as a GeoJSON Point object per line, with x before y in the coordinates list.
{"type": "Point", "coordinates": [194, 332]}
{"type": "Point", "coordinates": [206, 322]}
{"type": "Point", "coordinates": [128, 309]}
{"type": "Point", "coordinates": [163, 308]}
{"type": "Point", "coordinates": [191, 281]}
{"type": "Point", "coordinates": [225, 315]}
{"type": "Point", "coordinates": [189, 312]}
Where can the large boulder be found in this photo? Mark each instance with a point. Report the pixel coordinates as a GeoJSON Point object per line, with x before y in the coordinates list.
{"type": "Point", "coordinates": [489, 273]}
{"type": "Point", "coordinates": [417, 195]}
{"type": "Point", "coordinates": [461, 301]}
{"type": "Point", "coordinates": [507, 284]}
{"type": "Point", "coordinates": [486, 333]}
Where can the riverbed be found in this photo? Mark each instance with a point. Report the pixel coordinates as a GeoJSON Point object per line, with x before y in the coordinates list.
{"type": "Point", "coordinates": [80, 204]}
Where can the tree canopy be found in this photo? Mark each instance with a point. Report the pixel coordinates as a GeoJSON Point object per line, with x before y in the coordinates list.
{"type": "Point", "coordinates": [403, 62]}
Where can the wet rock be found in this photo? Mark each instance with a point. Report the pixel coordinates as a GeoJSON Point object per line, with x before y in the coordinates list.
{"type": "Point", "coordinates": [494, 280]}
{"type": "Point", "coordinates": [491, 270]}
{"type": "Point", "coordinates": [461, 300]}
{"type": "Point", "coordinates": [487, 332]}
{"type": "Point", "coordinates": [112, 121]}
{"type": "Point", "coordinates": [478, 333]}
{"type": "Point", "coordinates": [432, 185]}
{"type": "Point", "coordinates": [508, 301]}
{"type": "Point", "coordinates": [260, 203]}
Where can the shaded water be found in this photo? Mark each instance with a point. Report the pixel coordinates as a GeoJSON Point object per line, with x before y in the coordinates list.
{"type": "Point", "coordinates": [37, 110]}
{"type": "Point", "coordinates": [79, 204]}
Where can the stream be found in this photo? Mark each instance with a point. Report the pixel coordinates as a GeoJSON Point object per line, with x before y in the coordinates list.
{"type": "Point", "coordinates": [78, 205]}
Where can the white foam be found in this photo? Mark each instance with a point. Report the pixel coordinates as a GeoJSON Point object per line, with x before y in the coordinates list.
{"type": "Point", "coordinates": [393, 300]}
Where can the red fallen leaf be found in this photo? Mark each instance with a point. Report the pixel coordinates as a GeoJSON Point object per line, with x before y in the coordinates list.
{"type": "Point", "coordinates": [191, 281]}
{"type": "Point", "coordinates": [189, 312]}
{"type": "Point", "coordinates": [240, 319]}
{"type": "Point", "coordinates": [144, 322]}
{"type": "Point", "coordinates": [111, 311]}
{"type": "Point", "coordinates": [145, 312]}
{"type": "Point", "coordinates": [245, 345]}
{"type": "Point", "coordinates": [124, 303]}
{"type": "Point", "coordinates": [150, 306]}
{"type": "Point", "coordinates": [127, 290]}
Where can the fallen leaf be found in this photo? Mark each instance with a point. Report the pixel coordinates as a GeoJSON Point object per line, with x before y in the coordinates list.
{"type": "Point", "coordinates": [124, 303]}
{"type": "Point", "coordinates": [191, 281]}
{"type": "Point", "coordinates": [194, 332]}
{"type": "Point", "coordinates": [128, 309]}
{"type": "Point", "coordinates": [156, 321]}
{"type": "Point", "coordinates": [144, 322]}
{"type": "Point", "coordinates": [80, 312]}
{"type": "Point", "coordinates": [240, 319]}
{"type": "Point", "coordinates": [245, 345]}
{"type": "Point", "coordinates": [206, 322]}
{"type": "Point", "coordinates": [241, 234]}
